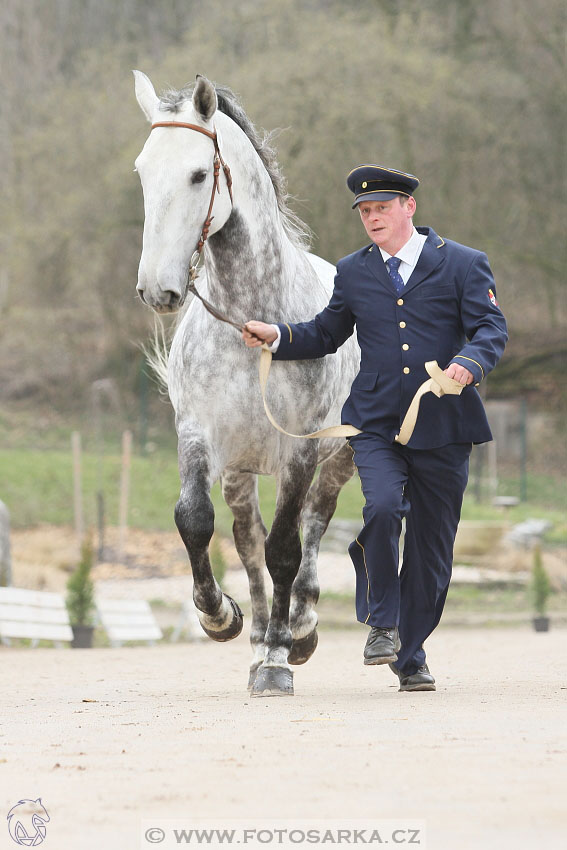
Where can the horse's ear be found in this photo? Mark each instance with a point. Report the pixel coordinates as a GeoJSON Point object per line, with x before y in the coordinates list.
{"type": "Point", "coordinates": [204, 98]}
{"type": "Point", "coordinates": [145, 94]}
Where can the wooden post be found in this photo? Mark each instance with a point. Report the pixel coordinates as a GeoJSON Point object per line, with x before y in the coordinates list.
{"type": "Point", "coordinates": [524, 451]}
{"type": "Point", "coordinates": [477, 463]}
{"type": "Point", "coordinates": [124, 489]}
{"type": "Point", "coordinates": [5, 559]}
{"type": "Point", "coordinates": [77, 488]}
{"type": "Point", "coordinates": [493, 469]}
{"type": "Point", "coordinates": [100, 524]}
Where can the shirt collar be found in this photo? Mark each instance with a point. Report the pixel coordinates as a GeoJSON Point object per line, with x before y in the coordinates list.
{"type": "Point", "coordinates": [407, 252]}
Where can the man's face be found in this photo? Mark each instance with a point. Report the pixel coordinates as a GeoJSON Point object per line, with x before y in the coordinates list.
{"type": "Point", "coordinates": [388, 223]}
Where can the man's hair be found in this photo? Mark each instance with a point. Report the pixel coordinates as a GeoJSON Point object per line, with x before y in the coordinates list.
{"type": "Point", "coordinates": [404, 199]}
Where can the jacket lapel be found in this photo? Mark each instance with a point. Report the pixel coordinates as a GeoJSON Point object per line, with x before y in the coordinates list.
{"type": "Point", "coordinates": [432, 255]}
{"type": "Point", "coordinates": [378, 268]}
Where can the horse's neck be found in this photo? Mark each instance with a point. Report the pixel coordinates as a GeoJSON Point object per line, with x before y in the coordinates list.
{"type": "Point", "coordinates": [252, 265]}
{"type": "Point", "coordinates": [244, 276]}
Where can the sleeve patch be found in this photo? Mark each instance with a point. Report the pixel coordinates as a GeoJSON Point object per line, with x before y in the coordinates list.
{"type": "Point", "coordinates": [492, 297]}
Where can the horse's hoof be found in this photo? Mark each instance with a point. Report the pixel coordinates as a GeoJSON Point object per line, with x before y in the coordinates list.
{"type": "Point", "coordinates": [233, 629]}
{"type": "Point", "coordinates": [302, 649]}
{"type": "Point", "coordinates": [273, 682]}
{"type": "Point", "coordinates": [253, 674]}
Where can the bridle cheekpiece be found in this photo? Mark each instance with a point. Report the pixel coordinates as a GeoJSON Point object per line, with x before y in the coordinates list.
{"type": "Point", "coordinates": [217, 162]}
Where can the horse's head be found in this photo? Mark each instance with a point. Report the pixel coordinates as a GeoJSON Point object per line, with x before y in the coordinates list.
{"type": "Point", "coordinates": [176, 170]}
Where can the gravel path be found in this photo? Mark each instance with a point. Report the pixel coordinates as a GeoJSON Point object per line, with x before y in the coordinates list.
{"type": "Point", "coordinates": [107, 737]}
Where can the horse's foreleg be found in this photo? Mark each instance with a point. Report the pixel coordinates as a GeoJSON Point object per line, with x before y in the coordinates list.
{"type": "Point", "coordinates": [240, 491]}
{"type": "Point", "coordinates": [219, 615]}
{"type": "Point", "coordinates": [283, 557]}
{"type": "Point", "coordinates": [319, 508]}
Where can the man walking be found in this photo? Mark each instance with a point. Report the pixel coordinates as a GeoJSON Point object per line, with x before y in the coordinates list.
{"type": "Point", "coordinates": [413, 297]}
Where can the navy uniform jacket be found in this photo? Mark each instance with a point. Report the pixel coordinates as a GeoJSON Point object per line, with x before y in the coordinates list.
{"type": "Point", "coordinates": [447, 312]}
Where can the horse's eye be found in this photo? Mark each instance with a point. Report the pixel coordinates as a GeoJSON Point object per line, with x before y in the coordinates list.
{"type": "Point", "coordinates": [198, 176]}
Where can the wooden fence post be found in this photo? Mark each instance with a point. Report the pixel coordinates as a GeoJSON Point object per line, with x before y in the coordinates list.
{"type": "Point", "coordinates": [77, 488]}
{"type": "Point", "coordinates": [124, 489]}
{"type": "Point", "coordinates": [5, 558]}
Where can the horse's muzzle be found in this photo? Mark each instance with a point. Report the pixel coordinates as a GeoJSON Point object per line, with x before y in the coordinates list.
{"type": "Point", "coordinates": [168, 302]}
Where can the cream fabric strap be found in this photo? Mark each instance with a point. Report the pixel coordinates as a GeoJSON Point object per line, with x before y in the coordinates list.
{"type": "Point", "coordinates": [333, 431]}
{"type": "Point", "coordinates": [438, 383]}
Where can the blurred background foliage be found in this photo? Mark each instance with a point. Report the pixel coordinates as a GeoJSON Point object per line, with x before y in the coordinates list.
{"type": "Point", "coordinates": [468, 95]}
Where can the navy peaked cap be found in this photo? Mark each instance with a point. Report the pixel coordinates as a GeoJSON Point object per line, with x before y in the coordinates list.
{"type": "Point", "coordinates": [376, 183]}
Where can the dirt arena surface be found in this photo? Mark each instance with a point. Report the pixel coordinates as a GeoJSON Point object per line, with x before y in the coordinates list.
{"type": "Point", "coordinates": [108, 737]}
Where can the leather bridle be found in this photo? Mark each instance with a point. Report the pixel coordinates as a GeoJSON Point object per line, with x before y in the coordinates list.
{"type": "Point", "coordinates": [217, 162]}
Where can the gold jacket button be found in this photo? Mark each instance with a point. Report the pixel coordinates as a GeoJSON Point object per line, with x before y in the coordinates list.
{"type": "Point", "coordinates": [406, 370]}
{"type": "Point", "coordinates": [405, 346]}
{"type": "Point", "coordinates": [399, 302]}
{"type": "Point", "coordinates": [402, 324]}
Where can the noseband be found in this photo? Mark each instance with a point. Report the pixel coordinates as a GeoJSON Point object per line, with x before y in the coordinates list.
{"type": "Point", "coordinates": [217, 162]}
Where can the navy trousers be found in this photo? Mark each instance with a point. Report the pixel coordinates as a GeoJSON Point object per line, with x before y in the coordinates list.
{"type": "Point", "coordinates": [426, 486]}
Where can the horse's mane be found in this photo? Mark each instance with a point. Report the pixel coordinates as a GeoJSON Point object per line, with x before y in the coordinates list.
{"type": "Point", "coordinates": [172, 100]}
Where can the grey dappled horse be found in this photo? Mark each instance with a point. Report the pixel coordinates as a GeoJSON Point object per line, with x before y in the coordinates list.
{"type": "Point", "coordinates": [256, 266]}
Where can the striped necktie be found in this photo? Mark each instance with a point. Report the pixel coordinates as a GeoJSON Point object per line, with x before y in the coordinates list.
{"type": "Point", "coordinates": [393, 264]}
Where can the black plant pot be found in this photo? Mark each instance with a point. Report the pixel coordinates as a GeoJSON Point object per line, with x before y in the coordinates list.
{"type": "Point", "coordinates": [82, 637]}
{"type": "Point", "coordinates": [541, 624]}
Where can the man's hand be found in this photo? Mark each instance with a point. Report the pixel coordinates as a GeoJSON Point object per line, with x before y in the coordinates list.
{"type": "Point", "coordinates": [257, 333]}
{"type": "Point", "coordinates": [459, 373]}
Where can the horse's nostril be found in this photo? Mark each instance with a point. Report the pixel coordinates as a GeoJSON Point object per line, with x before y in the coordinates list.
{"type": "Point", "coordinates": [173, 299]}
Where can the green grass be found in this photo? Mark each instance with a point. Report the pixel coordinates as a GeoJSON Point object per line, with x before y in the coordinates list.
{"type": "Point", "coordinates": [502, 606]}
{"type": "Point", "coordinates": [37, 487]}
{"type": "Point", "coordinates": [482, 599]}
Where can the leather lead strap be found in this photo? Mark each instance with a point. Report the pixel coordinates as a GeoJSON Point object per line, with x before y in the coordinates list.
{"type": "Point", "coordinates": [211, 309]}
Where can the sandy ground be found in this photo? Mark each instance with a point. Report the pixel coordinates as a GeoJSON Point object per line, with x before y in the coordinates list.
{"type": "Point", "coordinates": [108, 737]}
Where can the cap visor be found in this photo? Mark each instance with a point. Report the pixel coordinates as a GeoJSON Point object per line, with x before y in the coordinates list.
{"type": "Point", "coordinates": [378, 196]}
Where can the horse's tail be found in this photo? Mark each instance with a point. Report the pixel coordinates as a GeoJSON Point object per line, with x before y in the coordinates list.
{"type": "Point", "coordinates": [157, 354]}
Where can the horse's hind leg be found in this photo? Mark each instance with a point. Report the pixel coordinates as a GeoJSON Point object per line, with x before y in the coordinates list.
{"type": "Point", "coordinates": [240, 491]}
{"type": "Point", "coordinates": [283, 557]}
{"type": "Point", "coordinates": [319, 508]}
{"type": "Point", "coordinates": [219, 615]}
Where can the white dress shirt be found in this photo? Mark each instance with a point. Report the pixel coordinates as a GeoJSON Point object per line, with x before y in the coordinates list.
{"type": "Point", "coordinates": [409, 255]}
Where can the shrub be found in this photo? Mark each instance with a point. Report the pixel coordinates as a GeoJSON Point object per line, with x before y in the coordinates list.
{"type": "Point", "coordinates": [80, 588]}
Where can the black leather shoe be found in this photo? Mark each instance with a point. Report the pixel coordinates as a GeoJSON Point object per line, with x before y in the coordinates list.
{"type": "Point", "coordinates": [382, 646]}
{"type": "Point", "coordinates": [421, 680]}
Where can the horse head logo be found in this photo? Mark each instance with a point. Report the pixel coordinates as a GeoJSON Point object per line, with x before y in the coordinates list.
{"type": "Point", "coordinates": [26, 822]}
